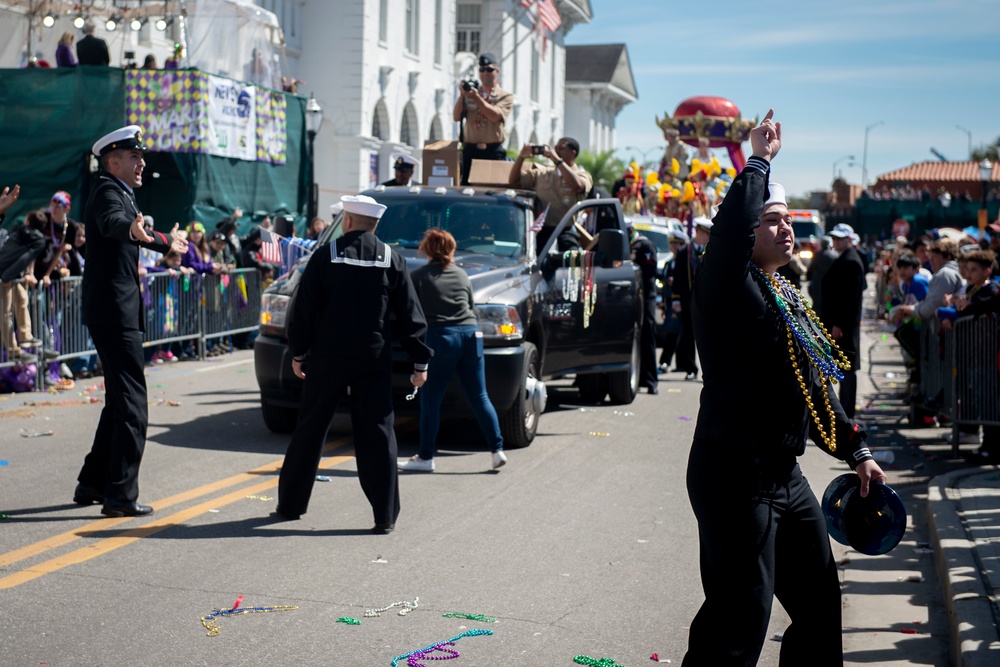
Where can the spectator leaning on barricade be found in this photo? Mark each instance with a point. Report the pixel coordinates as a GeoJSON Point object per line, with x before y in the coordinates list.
{"type": "Point", "coordinates": [222, 252]}
{"type": "Point", "coordinates": [558, 187]}
{"type": "Point", "coordinates": [199, 255]}
{"type": "Point", "coordinates": [59, 232]}
{"type": "Point", "coordinates": [981, 298]}
{"type": "Point", "coordinates": [912, 288]}
{"type": "Point", "coordinates": [17, 256]}
{"type": "Point", "coordinates": [484, 108]}
{"type": "Point", "coordinates": [252, 257]}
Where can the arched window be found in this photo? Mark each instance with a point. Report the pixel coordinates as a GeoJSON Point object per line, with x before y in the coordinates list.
{"type": "Point", "coordinates": [380, 121]}
{"type": "Point", "coordinates": [436, 132]}
{"type": "Point", "coordinates": [409, 129]}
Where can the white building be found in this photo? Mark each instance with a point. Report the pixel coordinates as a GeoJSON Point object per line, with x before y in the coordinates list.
{"type": "Point", "coordinates": [599, 83]}
{"type": "Point", "coordinates": [386, 73]}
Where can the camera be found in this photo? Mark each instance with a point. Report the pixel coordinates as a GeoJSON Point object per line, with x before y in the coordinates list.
{"type": "Point", "coordinates": [538, 150]}
{"type": "Point", "coordinates": [470, 84]}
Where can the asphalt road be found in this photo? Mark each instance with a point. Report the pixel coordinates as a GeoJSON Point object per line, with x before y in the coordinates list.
{"type": "Point", "coordinates": [584, 544]}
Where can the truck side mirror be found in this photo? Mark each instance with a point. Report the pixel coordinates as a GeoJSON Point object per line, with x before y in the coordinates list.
{"type": "Point", "coordinates": [612, 247]}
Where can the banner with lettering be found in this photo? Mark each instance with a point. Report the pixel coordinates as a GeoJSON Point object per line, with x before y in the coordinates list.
{"type": "Point", "coordinates": [183, 111]}
{"type": "Point", "coordinates": [232, 118]}
{"type": "Point", "coordinates": [169, 106]}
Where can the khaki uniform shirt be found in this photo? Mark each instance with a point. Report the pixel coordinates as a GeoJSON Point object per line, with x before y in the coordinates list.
{"type": "Point", "coordinates": [481, 130]}
{"type": "Point", "coordinates": [550, 187]}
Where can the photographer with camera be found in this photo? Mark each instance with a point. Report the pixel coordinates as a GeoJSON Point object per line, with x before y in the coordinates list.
{"type": "Point", "coordinates": [485, 107]}
{"type": "Point", "coordinates": [558, 187]}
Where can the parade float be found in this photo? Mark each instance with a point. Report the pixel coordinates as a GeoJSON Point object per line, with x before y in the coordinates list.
{"type": "Point", "coordinates": [686, 187]}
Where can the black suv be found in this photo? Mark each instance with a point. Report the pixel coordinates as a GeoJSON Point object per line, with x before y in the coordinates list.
{"type": "Point", "coordinates": [535, 322]}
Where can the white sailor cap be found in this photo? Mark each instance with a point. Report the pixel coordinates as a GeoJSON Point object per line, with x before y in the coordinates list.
{"type": "Point", "coordinates": [679, 235]}
{"type": "Point", "coordinates": [775, 195]}
{"type": "Point", "coordinates": [405, 162]}
{"type": "Point", "coordinates": [336, 208]}
{"type": "Point", "coordinates": [703, 222]}
{"type": "Point", "coordinates": [363, 205]}
{"type": "Point", "coordinates": [842, 231]}
{"type": "Point", "coordinates": [128, 138]}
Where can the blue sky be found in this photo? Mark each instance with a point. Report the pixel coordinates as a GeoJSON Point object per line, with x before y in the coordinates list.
{"type": "Point", "coordinates": [829, 69]}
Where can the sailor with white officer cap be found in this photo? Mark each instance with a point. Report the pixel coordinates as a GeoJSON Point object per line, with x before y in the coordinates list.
{"type": "Point", "coordinates": [340, 339]}
{"type": "Point", "coordinates": [112, 311]}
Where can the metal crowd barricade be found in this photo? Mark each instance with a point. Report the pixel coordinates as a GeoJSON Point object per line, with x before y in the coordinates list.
{"type": "Point", "coordinates": [231, 304]}
{"type": "Point", "coordinates": [175, 308]}
{"type": "Point", "coordinates": [11, 295]}
{"type": "Point", "coordinates": [975, 381]}
{"type": "Point", "coordinates": [935, 366]}
{"type": "Point", "coordinates": [172, 308]}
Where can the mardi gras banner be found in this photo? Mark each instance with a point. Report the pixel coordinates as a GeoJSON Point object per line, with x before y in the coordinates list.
{"type": "Point", "coordinates": [192, 112]}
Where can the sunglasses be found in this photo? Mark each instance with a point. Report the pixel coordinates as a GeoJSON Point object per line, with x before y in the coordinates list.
{"type": "Point", "coordinates": [487, 69]}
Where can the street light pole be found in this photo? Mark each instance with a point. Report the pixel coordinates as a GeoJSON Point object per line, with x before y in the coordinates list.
{"type": "Point", "coordinates": [969, 134]}
{"type": "Point", "coordinates": [643, 153]}
{"type": "Point", "coordinates": [838, 161]}
{"type": "Point", "coordinates": [314, 120]}
{"type": "Point", "coordinates": [985, 175]}
{"type": "Point", "coordinates": [864, 158]}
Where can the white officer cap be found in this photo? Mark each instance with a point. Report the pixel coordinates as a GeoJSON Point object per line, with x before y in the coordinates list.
{"type": "Point", "coordinates": [842, 231]}
{"type": "Point", "coordinates": [679, 235]}
{"type": "Point", "coordinates": [703, 222]}
{"type": "Point", "coordinates": [775, 195]}
{"type": "Point", "coordinates": [405, 162]}
{"type": "Point", "coordinates": [363, 205]}
{"type": "Point", "coordinates": [128, 138]}
{"type": "Point", "coordinates": [336, 208]}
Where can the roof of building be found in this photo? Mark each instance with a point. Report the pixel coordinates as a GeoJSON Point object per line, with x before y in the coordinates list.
{"type": "Point", "coordinates": [932, 170]}
{"type": "Point", "coordinates": [600, 63]}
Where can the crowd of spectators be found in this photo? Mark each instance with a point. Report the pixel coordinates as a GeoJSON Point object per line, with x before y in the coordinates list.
{"type": "Point", "coordinates": [925, 286]}
{"type": "Point", "coordinates": [49, 246]}
{"type": "Point", "coordinates": [907, 192]}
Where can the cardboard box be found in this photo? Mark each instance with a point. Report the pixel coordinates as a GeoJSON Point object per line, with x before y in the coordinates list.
{"type": "Point", "coordinates": [442, 163]}
{"type": "Point", "coordinates": [490, 172]}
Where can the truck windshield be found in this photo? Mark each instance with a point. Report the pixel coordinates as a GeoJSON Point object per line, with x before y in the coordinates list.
{"type": "Point", "coordinates": [805, 230]}
{"type": "Point", "coordinates": [494, 226]}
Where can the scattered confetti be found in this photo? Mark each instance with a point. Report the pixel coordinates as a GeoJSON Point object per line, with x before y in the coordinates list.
{"type": "Point", "coordinates": [778, 636]}
{"type": "Point", "coordinates": [908, 631]}
{"type": "Point", "coordinates": [323, 478]}
{"type": "Point", "coordinates": [348, 620]}
{"type": "Point", "coordinates": [684, 418]}
{"type": "Point", "coordinates": [37, 434]}
{"type": "Point", "coordinates": [261, 498]}
{"type": "Point", "coordinates": [379, 559]}
{"type": "Point", "coordinates": [214, 511]}
{"type": "Point", "coordinates": [596, 662]}
{"type": "Point", "coordinates": [587, 410]}
{"type": "Point", "coordinates": [623, 413]}
{"type": "Point", "coordinates": [174, 404]}
{"type": "Point", "coordinates": [3, 463]}
{"type": "Point", "coordinates": [914, 578]}
{"type": "Point", "coordinates": [599, 434]}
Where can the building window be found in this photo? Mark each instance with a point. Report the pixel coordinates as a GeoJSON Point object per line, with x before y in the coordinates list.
{"type": "Point", "coordinates": [413, 26]}
{"type": "Point", "coordinates": [404, 131]}
{"type": "Point", "coordinates": [552, 55]}
{"type": "Point", "coordinates": [469, 27]}
{"type": "Point", "coordinates": [437, 32]}
{"type": "Point", "coordinates": [383, 21]}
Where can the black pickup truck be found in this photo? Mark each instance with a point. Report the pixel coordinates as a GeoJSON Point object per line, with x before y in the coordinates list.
{"type": "Point", "coordinates": [537, 319]}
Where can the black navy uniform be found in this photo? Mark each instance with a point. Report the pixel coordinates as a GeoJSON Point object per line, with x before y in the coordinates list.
{"type": "Point", "coordinates": [686, 267]}
{"type": "Point", "coordinates": [392, 182]}
{"type": "Point", "coordinates": [843, 289]}
{"type": "Point", "coordinates": [340, 323]}
{"type": "Point", "coordinates": [761, 530]}
{"type": "Point", "coordinates": [644, 255]}
{"type": "Point", "coordinates": [112, 311]}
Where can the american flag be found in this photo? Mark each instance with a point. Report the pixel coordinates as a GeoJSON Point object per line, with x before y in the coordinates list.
{"type": "Point", "coordinates": [544, 11]}
{"type": "Point", "coordinates": [540, 221]}
{"type": "Point", "coordinates": [270, 248]}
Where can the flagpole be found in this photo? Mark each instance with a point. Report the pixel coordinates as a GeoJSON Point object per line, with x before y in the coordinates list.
{"type": "Point", "coordinates": [515, 20]}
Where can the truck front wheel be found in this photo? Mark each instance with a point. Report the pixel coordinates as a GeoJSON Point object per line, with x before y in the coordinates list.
{"type": "Point", "coordinates": [624, 385]}
{"type": "Point", "coordinates": [519, 423]}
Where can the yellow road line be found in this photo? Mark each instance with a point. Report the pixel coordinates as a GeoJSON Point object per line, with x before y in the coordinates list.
{"type": "Point", "coordinates": [127, 537]}
{"type": "Point", "coordinates": [60, 540]}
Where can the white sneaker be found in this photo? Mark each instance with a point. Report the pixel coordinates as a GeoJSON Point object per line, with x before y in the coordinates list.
{"type": "Point", "coordinates": [499, 459]}
{"type": "Point", "coordinates": [415, 464]}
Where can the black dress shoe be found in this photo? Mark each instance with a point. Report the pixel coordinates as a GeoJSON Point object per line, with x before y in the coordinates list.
{"type": "Point", "coordinates": [282, 515]}
{"type": "Point", "coordinates": [115, 508]}
{"type": "Point", "coordinates": [383, 528]}
{"type": "Point", "coordinates": [86, 495]}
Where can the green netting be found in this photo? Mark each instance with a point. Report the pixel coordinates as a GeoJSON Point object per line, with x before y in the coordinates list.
{"type": "Point", "coordinates": [50, 118]}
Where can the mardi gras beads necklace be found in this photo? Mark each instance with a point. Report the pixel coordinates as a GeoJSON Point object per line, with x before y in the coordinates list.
{"type": "Point", "coordinates": [596, 662]}
{"type": "Point", "coordinates": [211, 623]}
{"type": "Point", "coordinates": [589, 294]}
{"type": "Point", "coordinates": [475, 632]}
{"type": "Point", "coordinates": [406, 605]}
{"type": "Point", "coordinates": [574, 270]}
{"type": "Point", "coordinates": [814, 340]}
{"type": "Point", "coordinates": [471, 617]}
